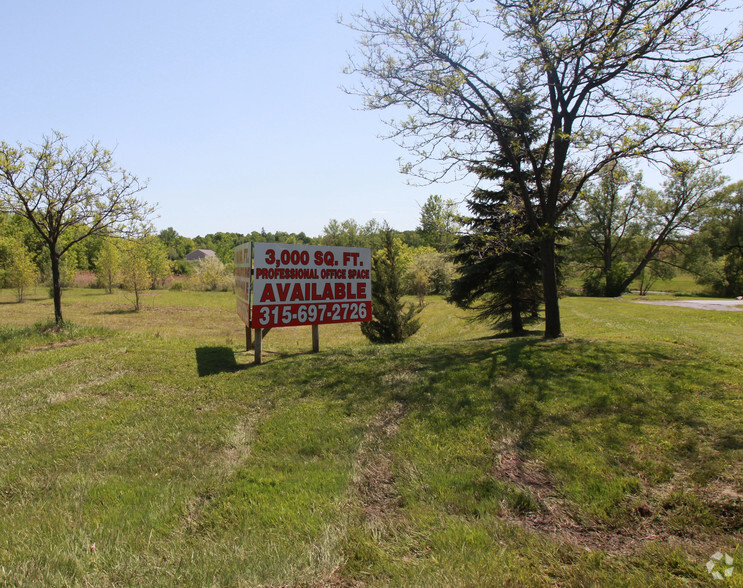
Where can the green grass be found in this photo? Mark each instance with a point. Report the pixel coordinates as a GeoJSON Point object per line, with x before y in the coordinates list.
{"type": "Point", "coordinates": [147, 449]}
{"type": "Point", "coordinates": [682, 284]}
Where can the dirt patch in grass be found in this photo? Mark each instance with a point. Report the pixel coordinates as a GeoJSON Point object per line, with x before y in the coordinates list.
{"type": "Point", "coordinates": [646, 521]}
{"type": "Point", "coordinates": [57, 397]}
{"type": "Point", "coordinates": [59, 344]}
{"type": "Point", "coordinates": [553, 516]}
{"type": "Point", "coordinates": [374, 483]}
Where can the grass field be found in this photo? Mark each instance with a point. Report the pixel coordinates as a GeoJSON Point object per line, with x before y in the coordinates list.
{"type": "Point", "coordinates": [147, 449]}
{"type": "Point", "coordinates": [682, 284]}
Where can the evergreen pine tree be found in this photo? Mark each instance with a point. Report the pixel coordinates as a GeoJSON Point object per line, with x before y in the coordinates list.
{"type": "Point", "coordinates": [392, 321]}
{"type": "Point", "coordinates": [499, 255]}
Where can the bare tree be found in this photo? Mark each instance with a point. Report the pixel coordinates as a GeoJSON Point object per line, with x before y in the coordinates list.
{"type": "Point", "coordinates": [612, 79]}
{"type": "Point", "coordinates": [69, 194]}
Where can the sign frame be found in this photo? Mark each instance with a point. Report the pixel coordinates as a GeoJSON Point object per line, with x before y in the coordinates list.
{"type": "Point", "coordinates": [243, 274]}
{"type": "Point", "coordinates": [286, 285]}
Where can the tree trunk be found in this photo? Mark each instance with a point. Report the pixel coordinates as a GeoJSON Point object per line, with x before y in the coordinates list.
{"type": "Point", "coordinates": [607, 267]}
{"type": "Point", "coordinates": [552, 328]}
{"type": "Point", "coordinates": [517, 325]}
{"type": "Point", "coordinates": [56, 286]}
{"type": "Point", "coordinates": [649, 256]}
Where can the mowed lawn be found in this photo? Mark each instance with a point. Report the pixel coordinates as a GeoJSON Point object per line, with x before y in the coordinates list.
{"type": "Point", "coordinates": [147, 449]}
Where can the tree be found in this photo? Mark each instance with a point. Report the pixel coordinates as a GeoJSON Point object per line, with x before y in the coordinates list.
{"type": "Point", "coordinates": [428, 272]}
{"type": "Point", "coordinates": [393, 321]}
{"type": "Point", "coordinates": [350, 234]}
{"type": "Point", "coordinates": [210, 274]}
{"type": "Point", "coordinates": [498, 256]}
{"type": "Point", "coordinates": [655, 270]}
{"type": "Point", "coordinates": [621, 228]}
{"type": "Point", "coordinates": [178, 246]}
{"type": "Point", "coordinates": [715, 252]}
{"type": "Point", "coordinates": [135, 268]}
{"type": "Point", "coordinates": [612, 81]}
{"type": "Point", "coordinates": [419, 279]}
{"type": "Point", "coordinates": [17, 270]}
{"type": "Point", "coordinates": [108, 264]}
{"type": "Point", "coordinates": [499, 278]}
{"type": "Point", "coordinates": [68, 194]}
{"type": "Point", "coordinates": [158, 263]}
{"type": "Point", "coordinates": [690, 192]}
{"type": "Point", "coordinates": [606, 222]}
{"type": "Point", "coordinates": [438, 223]}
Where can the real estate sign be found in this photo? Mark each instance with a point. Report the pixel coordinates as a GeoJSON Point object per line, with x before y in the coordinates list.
{"type": "Point", "coordinates": [310, 285]}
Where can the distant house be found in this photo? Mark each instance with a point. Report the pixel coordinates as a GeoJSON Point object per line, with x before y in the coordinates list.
{"type": "Point", "coordinates": [199, 254]}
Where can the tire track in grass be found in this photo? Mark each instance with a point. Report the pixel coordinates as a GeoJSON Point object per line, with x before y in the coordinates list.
{"type": "Point", "coordinates": [373, 489]}
{"type": "Point", "coordinates": [374, 480]}
{"type": "Point", "coordinates": [238, 444]}
{"type": "Point", "coordinates": [29, 388]}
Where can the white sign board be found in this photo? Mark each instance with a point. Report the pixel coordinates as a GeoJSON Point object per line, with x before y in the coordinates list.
{"type": "Point", "coordinates": [310, 285]}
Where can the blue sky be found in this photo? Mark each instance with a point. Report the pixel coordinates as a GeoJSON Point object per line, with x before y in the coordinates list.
{"type": "Point", "coordinates": [231, 108]}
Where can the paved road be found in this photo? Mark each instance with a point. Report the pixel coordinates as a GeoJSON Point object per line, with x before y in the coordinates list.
{"type": "Point", "coordinates": [734, 305]}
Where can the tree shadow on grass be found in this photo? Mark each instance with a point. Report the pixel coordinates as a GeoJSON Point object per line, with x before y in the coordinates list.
{"type": "Point", "coordinates": [533, 387]}
{"type": "Point", "coordinates": [507, 335]}
{"type": "Point", "coordinates": [596, 425]}
{"type": "Point", "coordinates": [216, 360]}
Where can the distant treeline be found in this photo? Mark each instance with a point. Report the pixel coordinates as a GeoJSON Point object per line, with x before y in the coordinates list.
{"type": "Point", "coordinates": [348, 233]}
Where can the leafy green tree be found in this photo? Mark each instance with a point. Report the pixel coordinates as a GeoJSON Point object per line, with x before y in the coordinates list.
{"type": "Point", "coordinates": [210, 274]}
{"type": "Point", "coordinates": [654, 271]}
{"type": "Point", "coordinates": [715, 252]}
{"type": "Point", "coordinates": [393, 321]}
{"type": "Point", "coordinates": [108, 264]}
{"type": "Point", "coordinates": [606, 224]}
{"type": "Point", "coordinates": [419, 279]}
{"type": "Point", "coordinates": [17, 269]}
{"type": "Point", "coordinates": [350, 233]}
{"type": "Point", "coordinates": [68, 194]}
{"type": "Point", "coordinates": [623, 231]}
{"type": "Point", "coordinates": [177, 246]}
{"type": "Point", "coordinates": [428, 272]}
{"type": "Point", "coordinates": [158, 264]}
{"type": "Point", "coordinates": [690, 193]}
{"type": "Point", "coordinates": [135, 269]}
{"type": "Point", "coordinates": [612, 82]}
{"type": "Point", "coordinates": [438, 223]}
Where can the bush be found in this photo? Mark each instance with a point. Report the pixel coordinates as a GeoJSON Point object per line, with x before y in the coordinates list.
{"type": "Point", "coordinates": [210, 274]}
{"type": "Point", "coordinates": [596, 284]}
{"type": "Point", "coordinates": [724, 275]}
{"type": "Point", "coordinates": [429, 272]}
{"type": "Point", "coordinates": [182, 267]}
